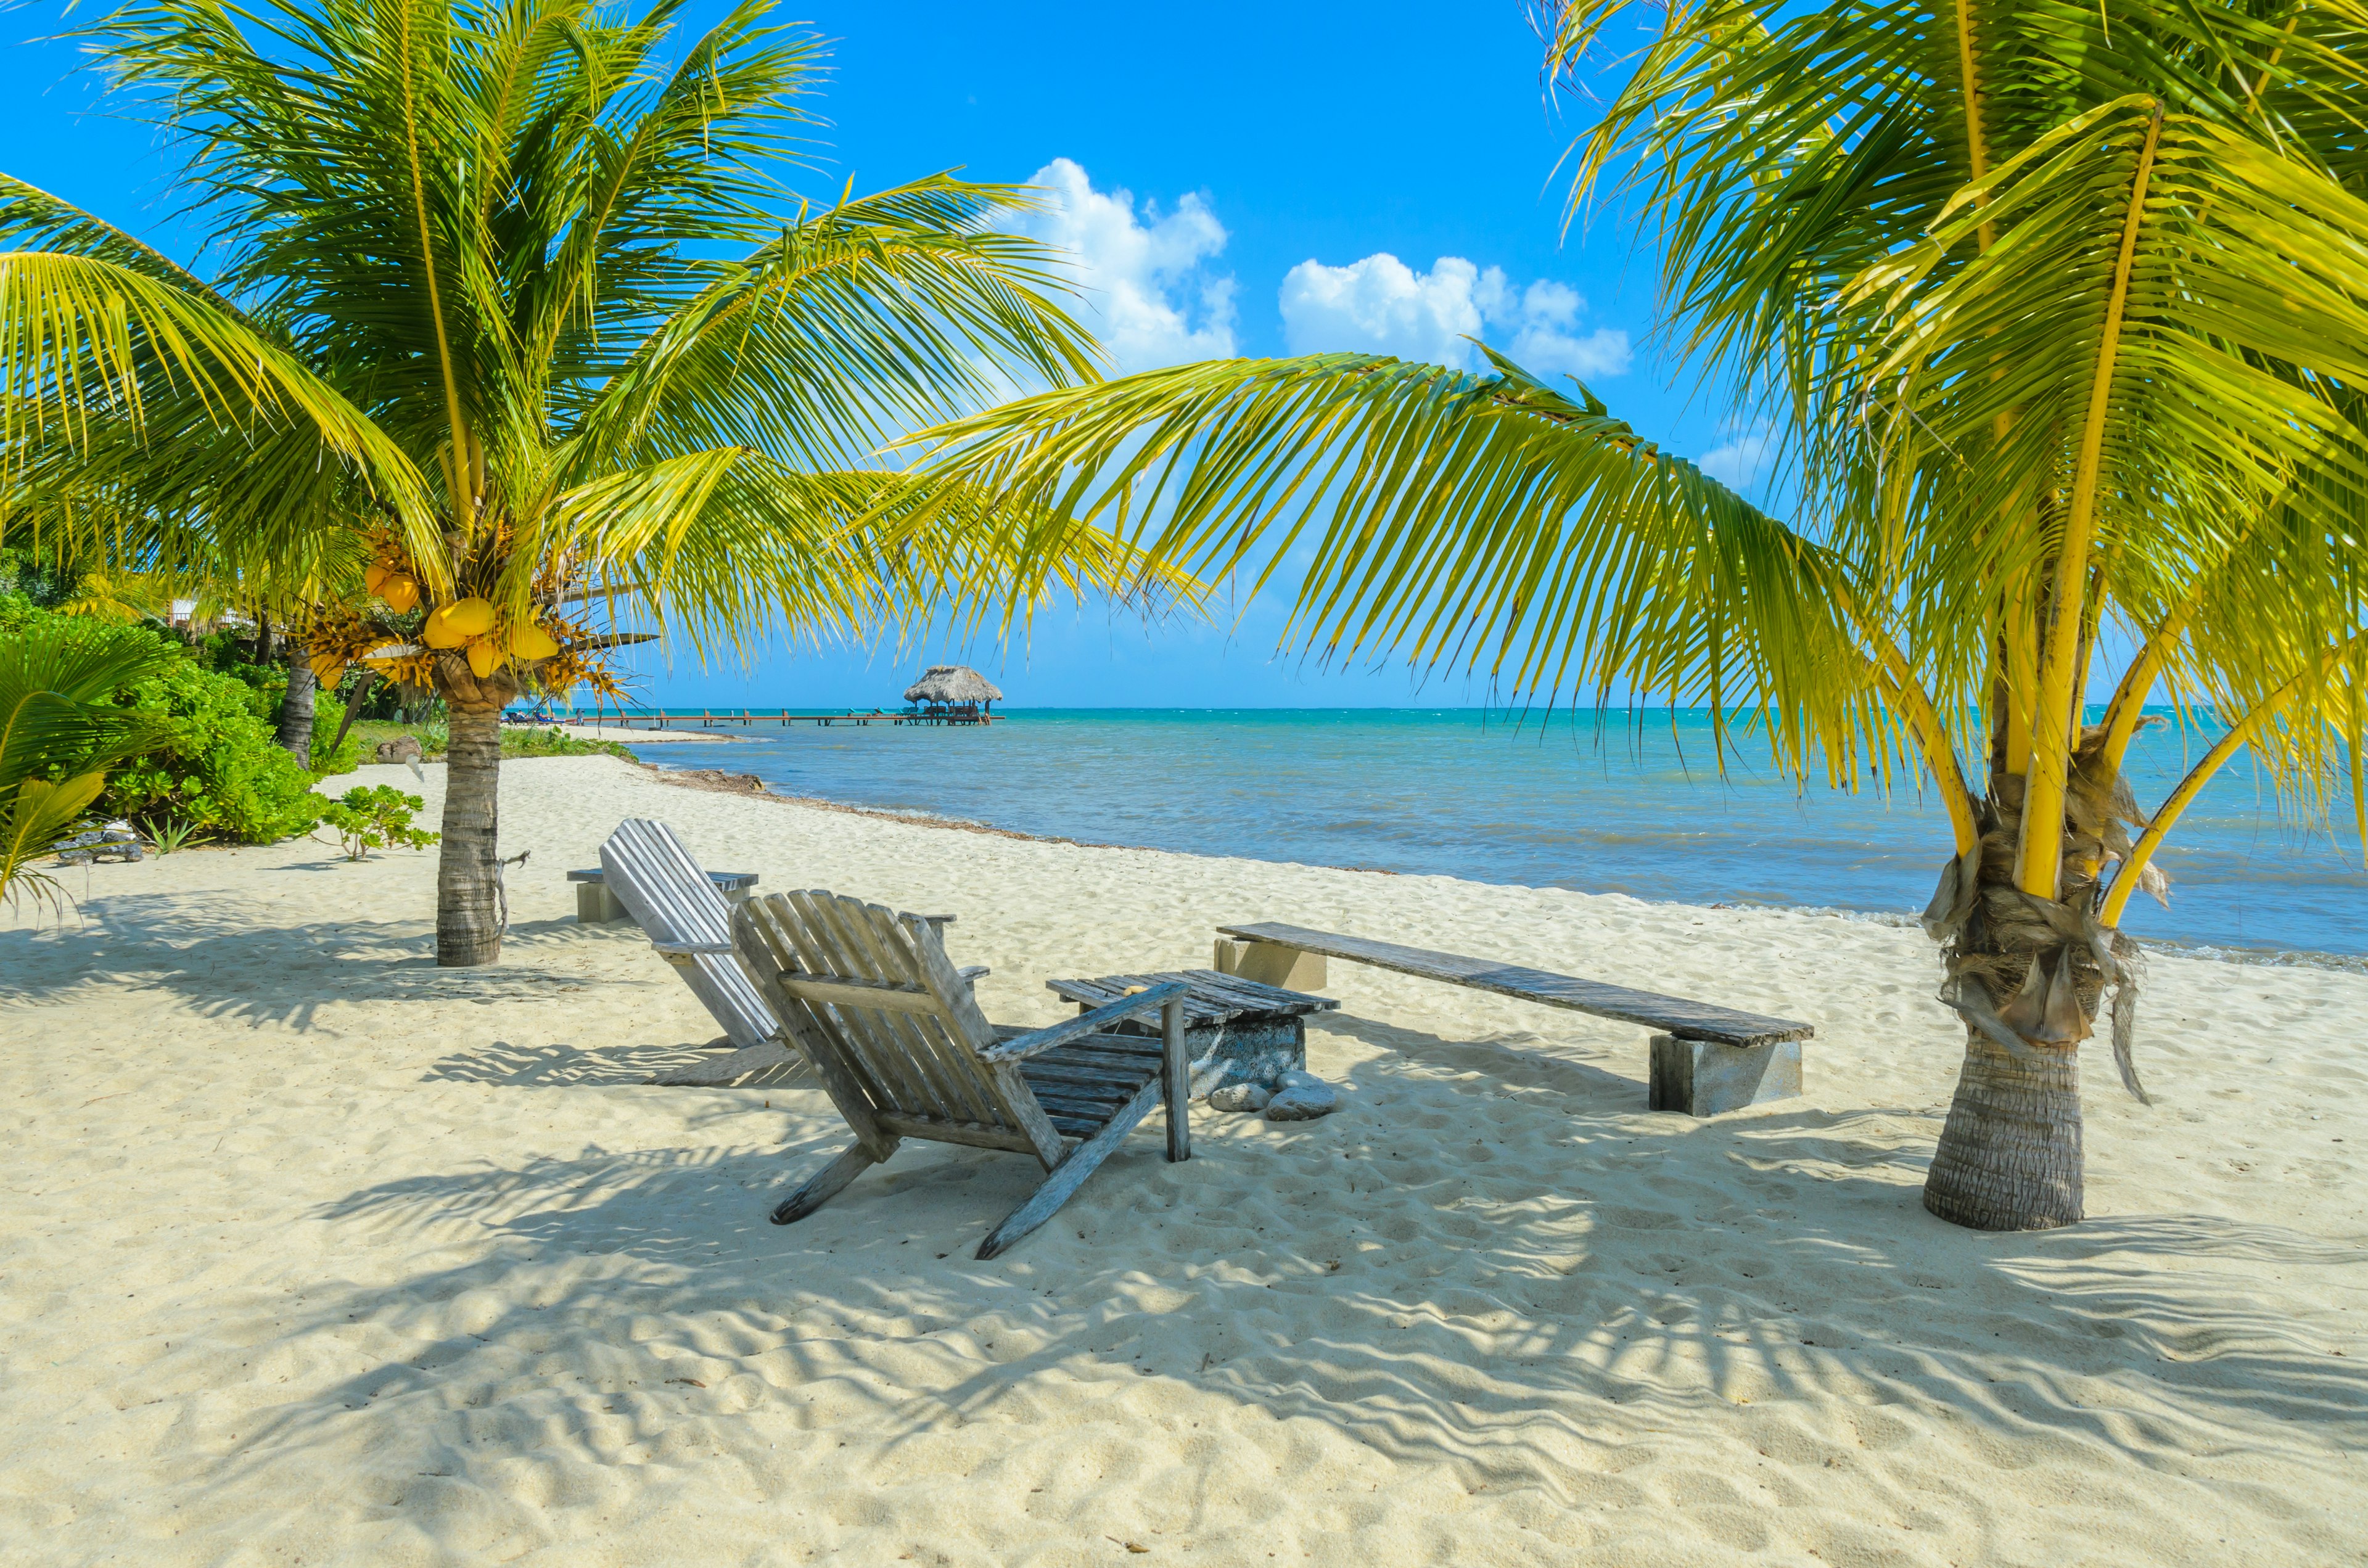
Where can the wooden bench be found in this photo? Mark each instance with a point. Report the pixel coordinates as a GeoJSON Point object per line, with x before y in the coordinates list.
{"type": "Point", "coordinates": [1705, 1059]}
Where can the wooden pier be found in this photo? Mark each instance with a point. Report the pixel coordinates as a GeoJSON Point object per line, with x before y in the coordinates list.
{"type": "Point", "coordinates": [748, 718]}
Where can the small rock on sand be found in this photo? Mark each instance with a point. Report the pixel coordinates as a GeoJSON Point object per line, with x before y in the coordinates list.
{"type": "Point", "coordinates": [1238, 1097]}
{"type": "Point", "coordinates": [1302, 1097]}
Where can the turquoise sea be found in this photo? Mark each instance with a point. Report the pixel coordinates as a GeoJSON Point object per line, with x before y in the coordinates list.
{"type": "Point", "coordinates": [1623, 803]}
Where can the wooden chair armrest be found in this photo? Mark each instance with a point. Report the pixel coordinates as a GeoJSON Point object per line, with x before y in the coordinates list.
{"type": "Point", "coordinates": [972, 973]}
{"type": "Point", "coordinates": [1083, 1024]}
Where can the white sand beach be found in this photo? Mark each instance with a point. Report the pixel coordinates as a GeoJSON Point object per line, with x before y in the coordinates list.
{"type": "Point", "coordinates": [315, 1254]}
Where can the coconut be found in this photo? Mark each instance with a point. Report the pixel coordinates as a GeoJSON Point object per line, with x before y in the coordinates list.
{"type": "Point", "coordinates": [327, 668]}
{"type": "Point", "coordinates": [484, 658]}
{"type": "Point", "coordinates": [375, 577]}
{"type": "Point", "coordinates": [399, 589]}
{"type": "Point", "coordinates": [454, 624]}
{"type": "Point", "coordinates": [528, 641]}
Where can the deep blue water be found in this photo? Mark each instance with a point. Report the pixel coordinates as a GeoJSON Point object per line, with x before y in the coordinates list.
{"type": "Point", "coordinates": [1604, 806]}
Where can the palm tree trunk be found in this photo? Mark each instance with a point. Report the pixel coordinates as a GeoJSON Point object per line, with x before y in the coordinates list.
{"type": "Point", "coordinates": [2010, 1155]}
{"type": "Point", "coordinates": [468, 871]}
{"type": "Point", "coordinates": [295, 733]}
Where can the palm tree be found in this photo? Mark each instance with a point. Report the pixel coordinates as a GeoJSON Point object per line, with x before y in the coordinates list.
{"type": "Point", "coordinates": [2062, 311]}
{"type": "Point", "coordinates": [510, 318]}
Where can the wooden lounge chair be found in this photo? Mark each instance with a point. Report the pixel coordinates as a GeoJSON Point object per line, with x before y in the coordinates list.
{"type": "Point", "coordinates": [646, 867]}
{"type": "Point", "coordinates": [900, 1044]}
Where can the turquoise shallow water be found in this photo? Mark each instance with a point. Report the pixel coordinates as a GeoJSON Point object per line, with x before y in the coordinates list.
{"type": "Point", "coordinates": [1572, 803]}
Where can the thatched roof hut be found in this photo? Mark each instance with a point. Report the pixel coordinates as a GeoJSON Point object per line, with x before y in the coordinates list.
{"type": "Point", "coordinates": [953, 686]}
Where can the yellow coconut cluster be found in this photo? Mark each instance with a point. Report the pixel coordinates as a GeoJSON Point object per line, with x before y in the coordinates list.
{"type": "Point", "coordinates": [470, 625]}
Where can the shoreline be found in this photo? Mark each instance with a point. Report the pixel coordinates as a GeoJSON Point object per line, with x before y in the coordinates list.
{"type": "Point", "coordinates": [718, 781]}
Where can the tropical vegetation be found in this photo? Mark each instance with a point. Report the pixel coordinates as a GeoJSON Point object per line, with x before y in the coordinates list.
{"type": "Point", "coordinates": [60, 732]}
{"type": "Point", "coordinates": [191, 738]}
{"type": "Point", "coordinates": [514, 331]}
{"type": "Point", "coordinates": [2060, 315]}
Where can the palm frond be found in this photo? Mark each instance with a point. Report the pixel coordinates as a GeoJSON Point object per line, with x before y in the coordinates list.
{"type": "Point", "coordinates": [1486, 523]}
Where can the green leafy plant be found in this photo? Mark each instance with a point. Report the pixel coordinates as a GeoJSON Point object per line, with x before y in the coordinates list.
{"type": "Point", "coordinates": [171, 833]}
{"type": "Point", "coordinates": [331, 752]}
{"type": "Point", "coordinates": [374, 816]}
{"type": "Point", "coordinates": [217, 765]}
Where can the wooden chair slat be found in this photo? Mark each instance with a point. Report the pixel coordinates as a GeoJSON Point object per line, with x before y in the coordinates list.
{"type": "Point", "coordinates": [883, 1054]}
{"type": "Point", "coordinates": [898, 1034]}
{"type": "Point", "coordinates": [965, 1094]}
{"type": "Point", "coordinates": [965, 1032]}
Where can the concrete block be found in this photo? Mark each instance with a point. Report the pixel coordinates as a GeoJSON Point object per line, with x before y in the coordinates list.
{"type": "Point", "coordinates": [1258, 1048]}
{"type": "Point", "coordinates": [1271, 964]}
{"type": "Point", "coordinates": [595, 905]}
{"type": "Point", "coordinates": [1703, 1079]}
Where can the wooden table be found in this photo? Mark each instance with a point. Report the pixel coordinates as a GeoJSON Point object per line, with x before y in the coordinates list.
{"type": "Point", "coordinates": [1235, 1030]}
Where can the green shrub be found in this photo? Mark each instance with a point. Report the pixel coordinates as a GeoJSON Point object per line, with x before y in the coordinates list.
{"type": "Point", "coordinates": [217, 769]}
{"type": "Point", "coordinates": [222, 770]}
{"type": "Point", "coordinates": [372, 817]}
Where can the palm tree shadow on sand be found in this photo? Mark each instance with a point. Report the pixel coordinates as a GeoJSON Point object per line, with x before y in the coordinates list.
{"type": "Point", "coordinates": [1769, 1280]}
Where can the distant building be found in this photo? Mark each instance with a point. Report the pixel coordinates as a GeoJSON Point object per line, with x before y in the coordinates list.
{"type": "Point", "coordinates": [955, 694]}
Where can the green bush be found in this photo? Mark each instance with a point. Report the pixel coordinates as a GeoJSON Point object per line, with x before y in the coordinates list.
{"type": "Point", "coordinates": [222, 772]}
{"type": "Point", "coordinates": [519, 740]}
{"type": "Point", "coordinates": [372, 817]}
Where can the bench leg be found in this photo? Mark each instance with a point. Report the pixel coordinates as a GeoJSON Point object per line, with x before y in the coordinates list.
{"type": "Point", "coordinates": [1702, 1079]}
{"type": "Point", "coordinates": [1271, 964]}
{"type": "Point", "coordinates": [595, 905]}
{"type": "Point", "coordinates": [824, 1184]}
{"type": "Point", "coordinates": [1070, 1173]}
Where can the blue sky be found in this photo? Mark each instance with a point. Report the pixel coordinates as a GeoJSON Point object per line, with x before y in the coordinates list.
{"type": "Point", "coordinates": [1233, 178]}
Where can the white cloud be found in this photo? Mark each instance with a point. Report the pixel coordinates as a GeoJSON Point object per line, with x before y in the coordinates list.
{"type": "Point", "coordinates": [1382, 304]}
{"type": "Point", "coordinates": [1145, 286]}
{"type": "Point", "coordinates": [1736, 461]}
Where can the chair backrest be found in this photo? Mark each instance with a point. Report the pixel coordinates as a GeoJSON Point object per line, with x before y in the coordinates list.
{"type": "Point", "coordinates": [870, 995]}
{"type": "Point", "coordinates": [651, 872]}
